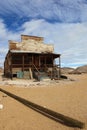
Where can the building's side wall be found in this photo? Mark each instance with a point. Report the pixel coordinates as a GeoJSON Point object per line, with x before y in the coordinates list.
{"type": "Point", "coordinates": [7, 65]}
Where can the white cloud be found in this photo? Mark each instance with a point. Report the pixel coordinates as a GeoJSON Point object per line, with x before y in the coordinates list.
{"type": "Point", "coordinates": [62, 10]}
{"type": "Point", "coordinates": [5, 35]}
{"type": "Point", "coordinates": [69, 39]}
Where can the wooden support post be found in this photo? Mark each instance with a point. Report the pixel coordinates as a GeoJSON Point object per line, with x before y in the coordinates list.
{"type": "Point", "coordinates": [11, 66]}
{"type": "Point", "coordinates": [59, 67]}
{"type": "Point", "coordinates": [52, 61]}
{"type": "Point", "coordinates": [45, 62]}
{"type": "Point", "coordinates": [30, 72]}
{"type": "Point", "coordinates": [32, 61]}
{"type": "Point", "coordinates": [23, 63]}
{"type": "Point", "coordinates": [39, 61]}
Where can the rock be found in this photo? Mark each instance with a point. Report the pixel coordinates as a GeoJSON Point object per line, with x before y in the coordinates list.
{"type": "Point", "coordinates": [1, 106]}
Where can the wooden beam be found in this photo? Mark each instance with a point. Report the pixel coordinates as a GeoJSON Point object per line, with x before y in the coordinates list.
{"type": "Point", "coordinates": [32, 60]}
{"type": "Point", "coordinates": [59, 67]}
{"type": "Point", "coordinates": [39, 61]}
{"type": "Point", "coordinates": [23, 63]}
{"type": "Point", "coordinates": [11, 67]}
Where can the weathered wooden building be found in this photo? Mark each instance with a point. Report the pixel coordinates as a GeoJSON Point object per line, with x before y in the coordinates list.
{"type": "Point", "coordinates": [31, 58]}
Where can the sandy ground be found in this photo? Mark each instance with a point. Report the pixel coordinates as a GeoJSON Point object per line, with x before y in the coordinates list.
{"type": "Point", "coordinates": [65, 96]}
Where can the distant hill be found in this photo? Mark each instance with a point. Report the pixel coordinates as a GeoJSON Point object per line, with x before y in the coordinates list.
{"type": "Point", "coordinates": [82, 69]}
{"type": "Point", "coordinates": [66, 70]}
{"type": "Point", "coordinates": [78, 70]}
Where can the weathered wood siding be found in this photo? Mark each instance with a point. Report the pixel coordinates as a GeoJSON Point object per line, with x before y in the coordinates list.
{"type": "Point", "coordinates": [32, 44]}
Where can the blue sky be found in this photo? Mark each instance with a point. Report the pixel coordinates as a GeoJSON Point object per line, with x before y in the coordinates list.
{"type": "Point", "coordinates": [61, 22]}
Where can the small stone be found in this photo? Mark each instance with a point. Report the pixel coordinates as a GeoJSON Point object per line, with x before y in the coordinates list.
{"type": "Point", "coordinates": [1, 106]}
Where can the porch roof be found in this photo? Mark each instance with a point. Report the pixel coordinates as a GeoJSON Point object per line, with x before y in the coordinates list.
{"type": "Point", "coordinates": [55, 55]}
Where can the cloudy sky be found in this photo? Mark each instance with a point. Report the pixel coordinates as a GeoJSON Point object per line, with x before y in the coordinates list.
{"type": "Point", "coordinates": [61, 22]}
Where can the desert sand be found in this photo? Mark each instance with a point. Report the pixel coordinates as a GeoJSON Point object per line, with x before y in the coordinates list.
{"type": "Point", "coordinates": [68, 97]}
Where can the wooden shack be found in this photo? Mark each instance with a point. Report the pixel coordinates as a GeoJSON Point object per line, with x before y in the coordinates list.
{"type": "Point", "coordinates": [31, 58]}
